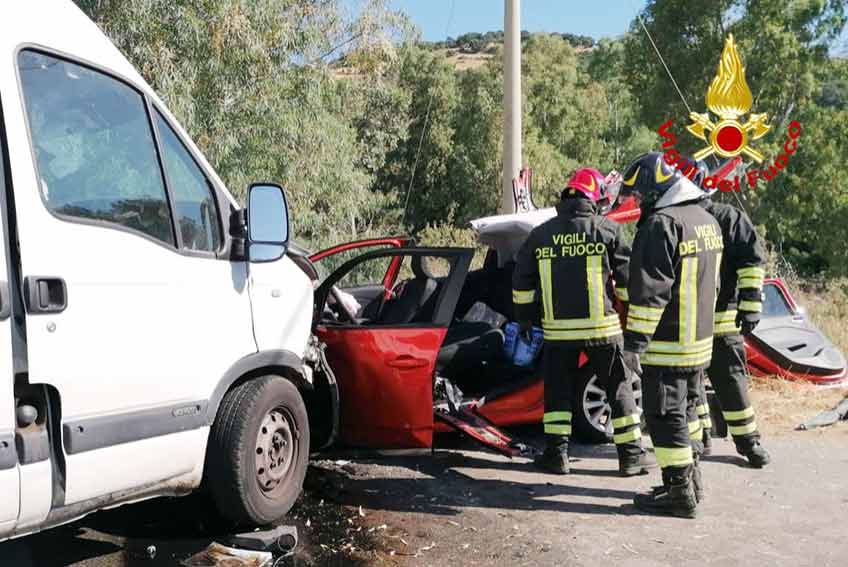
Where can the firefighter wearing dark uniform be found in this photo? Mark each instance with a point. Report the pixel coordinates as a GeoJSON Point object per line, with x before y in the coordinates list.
{"type": "Point", "coordinates": [563, 270]}
{"type": "Point", "coordinates": [672, 289]}
{"type": "Point", "coordinates": [737, 313]}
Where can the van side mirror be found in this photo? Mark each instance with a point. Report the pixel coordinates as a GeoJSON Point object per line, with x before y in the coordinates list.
{"type": "Point", "coordinates": [267, 222]}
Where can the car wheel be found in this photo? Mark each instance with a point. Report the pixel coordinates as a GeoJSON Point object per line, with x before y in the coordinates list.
{"type": "Point", "coordinates": [592, 415]}
{"type": "Point", "coordinates": [258, 451]}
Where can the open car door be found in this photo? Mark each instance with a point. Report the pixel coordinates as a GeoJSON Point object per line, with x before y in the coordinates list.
{"type": "Point", "coordinates": [384, 352]}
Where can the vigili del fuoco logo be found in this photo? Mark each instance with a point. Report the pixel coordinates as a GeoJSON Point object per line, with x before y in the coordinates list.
{"type": "Point", "coordinates": [729, 98]}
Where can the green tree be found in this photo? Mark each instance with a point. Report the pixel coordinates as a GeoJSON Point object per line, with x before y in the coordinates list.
{"type": "Point", "coordinates": [784, 46]}
{"type": "Point", "coordinates": [250, 81]}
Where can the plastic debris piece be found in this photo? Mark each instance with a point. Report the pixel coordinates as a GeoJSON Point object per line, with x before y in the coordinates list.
{"type": "Point", "coordinates": [217, 555]}
{"type": "Point", "coordinates": [829, 417]}
{"type": "Point", "coordinates": [278, 539]}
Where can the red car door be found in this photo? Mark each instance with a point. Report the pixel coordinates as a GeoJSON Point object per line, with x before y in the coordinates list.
{"type": "Point", "coordinates": [384, 361]}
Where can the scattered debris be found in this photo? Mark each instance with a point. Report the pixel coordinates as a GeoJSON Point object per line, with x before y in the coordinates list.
{"type": "Point", "coordinates": [217, 555]}
{"type": "Point", "coordinates": [281, 539]}
{"type": "Point", "coordinates": [826, 418]}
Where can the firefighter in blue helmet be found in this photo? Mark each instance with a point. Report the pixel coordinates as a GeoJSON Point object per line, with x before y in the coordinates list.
{"type": "Point", "coordinates": [737, 313]}
{"type": "Point", "coordinates": [669, 331]}
{"type": "Point", "coordinates": [563, 277]}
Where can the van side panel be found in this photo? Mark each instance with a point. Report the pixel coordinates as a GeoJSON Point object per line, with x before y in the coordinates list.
{"type": "Point", "coordinates": [134, 464]}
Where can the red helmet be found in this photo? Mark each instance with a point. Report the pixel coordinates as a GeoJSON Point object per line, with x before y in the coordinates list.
{"type": "Point", "coordinates": [588, 181]}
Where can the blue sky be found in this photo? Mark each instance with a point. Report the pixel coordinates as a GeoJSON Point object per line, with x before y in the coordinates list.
{"type": "Point", "coordinates": [595, 18]}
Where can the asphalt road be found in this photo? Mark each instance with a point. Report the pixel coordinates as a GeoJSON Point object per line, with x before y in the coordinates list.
{"type": "Point", "coordinates": [464, 506]}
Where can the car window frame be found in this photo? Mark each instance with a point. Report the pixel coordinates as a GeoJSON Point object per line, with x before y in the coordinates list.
{"type": "Point", "coordinates": [221, 200]}
{"type": "Point", "coordinates": [460, 262]}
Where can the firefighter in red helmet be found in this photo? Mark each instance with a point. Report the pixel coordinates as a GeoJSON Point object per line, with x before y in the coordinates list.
{"type": "Point", "coordinates": [563, 278]}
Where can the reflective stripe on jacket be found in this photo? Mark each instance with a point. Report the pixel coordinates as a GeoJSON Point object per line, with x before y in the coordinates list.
{"type": "Point", "coordinates": [562, 275]}
{"type": "Point", "coordinates": [673, 280]}
{"type": "Point", "coordinates": [741, 267]}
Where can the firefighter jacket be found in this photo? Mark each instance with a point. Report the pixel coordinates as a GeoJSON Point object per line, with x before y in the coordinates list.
{"type": "Point", "coordinates": [741, 267]}
{"type": "Point", "coordinates": [673, 279]}
{"type": "Point", "coordinates": [564, 267]}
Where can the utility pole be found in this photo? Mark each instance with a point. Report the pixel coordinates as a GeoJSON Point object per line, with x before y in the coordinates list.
{"type": "Point", "coordinates": [512, 101]}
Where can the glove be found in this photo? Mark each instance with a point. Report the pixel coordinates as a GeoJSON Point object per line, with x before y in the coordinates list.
{"type": "Point", "coordinates": [526, 330]}
{"type": "Point", "coordinates": [748, 320]}
{"type": "Point", "coordinates": [631, 361]}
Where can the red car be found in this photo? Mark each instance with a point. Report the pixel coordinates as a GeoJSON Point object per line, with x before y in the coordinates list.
{"type": "Point", "coordinates": [407, 327]}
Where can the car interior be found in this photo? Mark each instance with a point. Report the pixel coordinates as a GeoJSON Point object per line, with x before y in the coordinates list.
{"type": "Point", "coordinates": [471, 355]}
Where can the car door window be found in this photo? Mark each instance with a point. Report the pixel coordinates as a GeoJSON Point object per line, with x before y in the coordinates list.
{"type": "Point", "coordinates": [94, 146]}
{"type": "Point", "coordinates": [197, 215]}
{"type": "Point", "coordinates": [774, 303]}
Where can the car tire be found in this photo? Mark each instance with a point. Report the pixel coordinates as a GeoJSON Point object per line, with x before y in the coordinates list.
{"type": "Point", "coordinates": [258, 451]}
{"type": "Point", "coordinates": [592, 423]}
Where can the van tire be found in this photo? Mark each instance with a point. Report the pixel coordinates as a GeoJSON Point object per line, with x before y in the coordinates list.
{"type": "Point", "coordinates": [262, 420]}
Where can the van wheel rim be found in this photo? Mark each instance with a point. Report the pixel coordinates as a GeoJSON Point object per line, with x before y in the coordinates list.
{"type": "Point", "coordinates": [274, 449]}
{"type": "Point", "coordinates": [596, 408]}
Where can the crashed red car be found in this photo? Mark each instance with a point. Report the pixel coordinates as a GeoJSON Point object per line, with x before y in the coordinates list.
{"type": "Point", "coordinates": [414, 342]}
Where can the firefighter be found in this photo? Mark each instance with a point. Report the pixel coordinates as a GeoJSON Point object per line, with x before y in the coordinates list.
{"type": "Point", "coordinates": [672, 291]}
{"type": "Point", "coordinates": [737, 313]}
{"type": "Point", "coordinates": [563, 269]}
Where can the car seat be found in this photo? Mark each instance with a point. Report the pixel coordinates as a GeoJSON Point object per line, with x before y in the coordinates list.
{"type": "Point", "coordinates": [415, 298]}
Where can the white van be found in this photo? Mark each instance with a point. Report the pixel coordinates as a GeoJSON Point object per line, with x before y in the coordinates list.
{"type": "Point", "coordinates": [152, 335]}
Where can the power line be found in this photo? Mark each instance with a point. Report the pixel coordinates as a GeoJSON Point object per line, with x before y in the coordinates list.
{"type": "Point", "coordinates": [424, 127]}
{"type": "Point", "coordinates": [679, 92]}
{"type": "Point", "coordinates": [667, 70]}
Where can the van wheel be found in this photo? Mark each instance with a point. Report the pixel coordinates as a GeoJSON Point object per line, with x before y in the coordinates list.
{"type": "Point", "coordinates": [258, 451]}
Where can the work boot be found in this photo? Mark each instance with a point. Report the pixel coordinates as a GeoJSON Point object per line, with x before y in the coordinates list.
{"type": "Point", "coordinates": [754, 452]}
{"type": "Point", "coordinates": [675, 498]}
{"type": "Point", "coordinates": [554, 459]}
{"type": "Point", "coordinates": [708, 442]}
{"type": "Point", "coordinates": [697, 480]}
{"type": "Point", "coordinates": [635, 464]}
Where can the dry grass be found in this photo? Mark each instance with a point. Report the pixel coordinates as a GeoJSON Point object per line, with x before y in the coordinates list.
{"type": "Point", "coordinates": [781, 405]}
{"type": "Point", "coordinates": [465, 61]}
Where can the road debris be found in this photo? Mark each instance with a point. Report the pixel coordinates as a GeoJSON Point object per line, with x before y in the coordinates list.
{"type": "Point", "coordinates": [826, 418]}
{"type": "Point", "coordinates": [281, 539]}
{"type": "Point", "coordinates": [217, 555]}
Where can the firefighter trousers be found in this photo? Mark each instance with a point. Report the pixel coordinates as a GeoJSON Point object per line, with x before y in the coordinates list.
{"type": "Point", "coordinates": [670, 399]}
{"type": "Point", "coordinates": [561, 366]}
{"type": "Point", "coordinates": [728, 374]}
{"type": "Point", "coordinates": [703, 405]}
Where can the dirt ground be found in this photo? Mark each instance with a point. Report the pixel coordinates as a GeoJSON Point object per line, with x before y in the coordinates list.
{"type": "Point", "coordinates": [464, 506]}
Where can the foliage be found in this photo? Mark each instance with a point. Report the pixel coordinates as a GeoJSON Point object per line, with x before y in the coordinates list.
{"type": "Point", "coordinates": [375, 133]}
{"type": "Point", "coordinates": [475, 42]}
{"type": "Point", "coordinates": [248, 80]}
{"type": "Point", "coordinates": [785, 51]}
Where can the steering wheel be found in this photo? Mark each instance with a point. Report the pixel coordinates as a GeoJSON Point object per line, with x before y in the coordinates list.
{"type": "Point", "coordinates": [343, 311]}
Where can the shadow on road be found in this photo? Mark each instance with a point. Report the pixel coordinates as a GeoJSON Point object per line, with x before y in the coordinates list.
{"type": "Point", "coordinates": [445, 489]}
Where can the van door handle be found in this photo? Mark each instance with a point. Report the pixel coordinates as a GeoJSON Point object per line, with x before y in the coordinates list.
{"type": "Point", "coordinates": [45, 294]}
{"type": "Point", "coordinates": [406, 362]}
